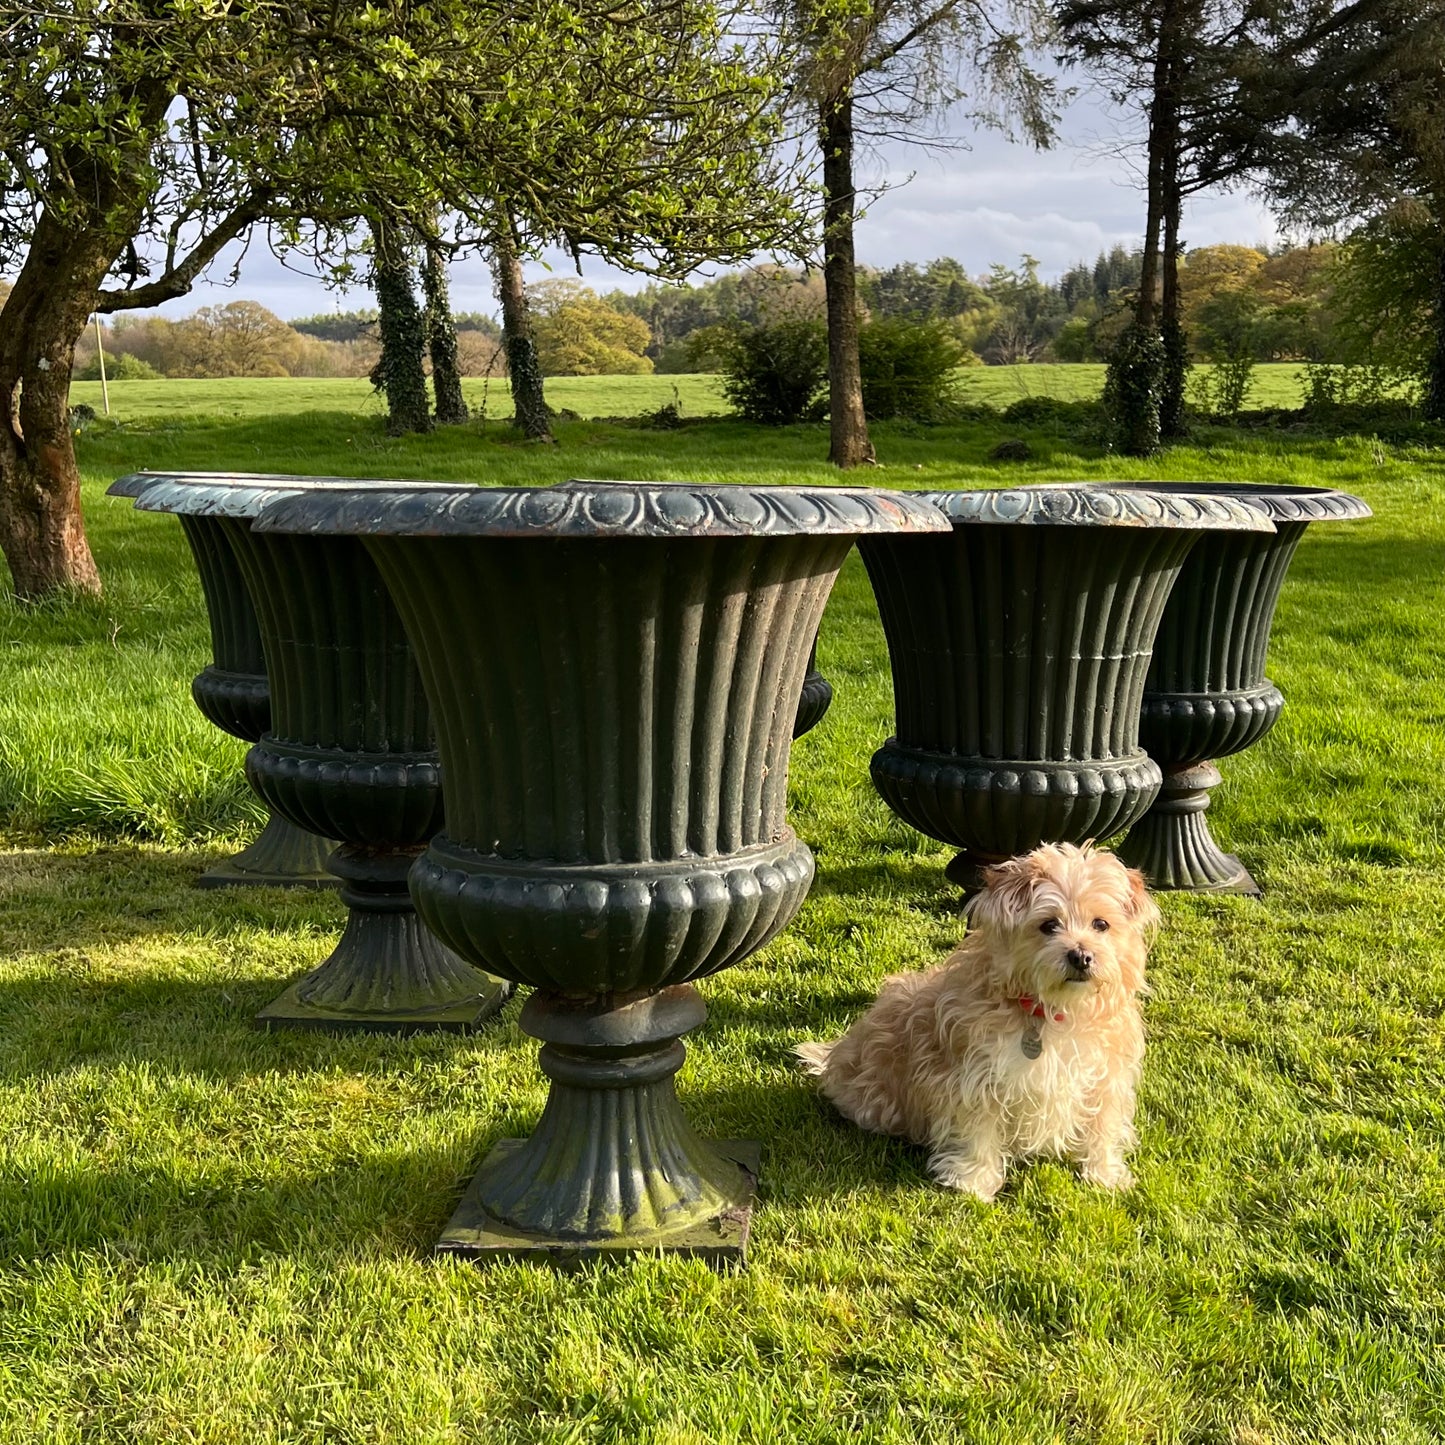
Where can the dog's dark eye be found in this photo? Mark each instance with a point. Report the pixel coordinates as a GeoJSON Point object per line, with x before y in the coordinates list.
{"type": "Point", "coordinates": [1101, 925]}
{"type": "Point", "coordinates": [1050, 925]}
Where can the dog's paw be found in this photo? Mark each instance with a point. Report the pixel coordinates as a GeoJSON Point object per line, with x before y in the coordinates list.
{"type": "Point", "coordinates": [983, 1178]}
{"type": "Point", "coordinates": [1108, 1174]}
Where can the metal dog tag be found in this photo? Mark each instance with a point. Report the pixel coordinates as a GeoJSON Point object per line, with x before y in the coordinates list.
{"type": "Point", "coordinates": [1032, 1042]}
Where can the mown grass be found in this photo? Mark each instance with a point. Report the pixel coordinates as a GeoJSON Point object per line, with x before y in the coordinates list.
{"type": "Point", "coordinates": [695, 395]}
{"type": "Point", "coordinates": [208, 1234]}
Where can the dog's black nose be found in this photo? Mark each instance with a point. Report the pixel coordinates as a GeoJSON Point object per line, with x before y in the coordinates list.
{"type": "Point", "coordinates": [1080, 962]}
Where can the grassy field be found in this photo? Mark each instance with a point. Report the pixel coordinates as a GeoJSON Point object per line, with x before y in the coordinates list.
{"type": "Point", "coordinates": [588, 396]}
{"type": "Point", "coordinates": [214, 1235]}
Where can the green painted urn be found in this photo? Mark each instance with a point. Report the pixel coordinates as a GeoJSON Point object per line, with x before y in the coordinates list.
{"type": "Point", "coordinates": [1019, 642]}
{"type": "Point", "coordinates": [350, 754]}
{"type": "Point", "coordinates": [614, 669]}
{"type": "Point", "coordinates": [233, 692]}
{"type": "Point", "coordinates": [1206, 695]}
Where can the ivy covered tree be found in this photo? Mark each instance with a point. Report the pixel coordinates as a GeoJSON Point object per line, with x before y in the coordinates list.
{"type": "Point", "coordinates": [441, 335]}
{"type": "Point", "coordinates": [138, 139]}
{"type": "Point", "coordinates": [399, 374]}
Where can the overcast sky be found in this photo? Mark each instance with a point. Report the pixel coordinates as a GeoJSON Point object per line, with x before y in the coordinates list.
{"type": "Point", "coordinates": [991, 202]}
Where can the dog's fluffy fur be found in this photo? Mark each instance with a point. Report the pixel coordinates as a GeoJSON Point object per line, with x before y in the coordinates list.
{"type": "Point", "coordinates": [941, 1056]}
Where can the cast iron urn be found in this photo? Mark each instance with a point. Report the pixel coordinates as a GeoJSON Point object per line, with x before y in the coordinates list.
{"type": "Point", "coordinates": [1206, 696]}
{"type": "Point", "coordinates": [233, 693]}
{"type": "Point", "coordinates": [350, 753]}
{"type": "Point", "coordinates": [1019, 644]}
{"type": "Point", "coordinates": [614, 669]}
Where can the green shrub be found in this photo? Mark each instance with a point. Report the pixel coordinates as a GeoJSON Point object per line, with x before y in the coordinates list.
{"type": "Point", "coordinates": [778, 374]}
{"type": "Point", "coordinates": [909, 369]}
{"type": "Point", "coordinates": [1075, 341]}
{"type": "Point", "coordinates": [119, 366]}
{"type": "Point", "coordinates": [1221, 391]}
{"type": "Point", "coordinates": [1052, 411]}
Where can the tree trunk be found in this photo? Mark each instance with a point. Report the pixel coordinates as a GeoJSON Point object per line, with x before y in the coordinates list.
{"type": "Point", "coordinates": [1172, 425]}
{"type": "Point", "coordinates": [1434, 400]}
{"type": "Point", "coordinates": [42, 530]}
{"type": "Point", "coordinates": [399, 374]}
{"type": "Point", "coordinates": [1146, 312]}
{"type": "Point", "coordinates": [523, 369]}
{"type": "Point", "coordinates": [848, 445]}
{"type": "Point", "coordinates": [441, 339]}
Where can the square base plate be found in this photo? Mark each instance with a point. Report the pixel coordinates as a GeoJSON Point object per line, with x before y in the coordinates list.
{"type": "Point", "coordinates": [289, 1012]}
{"type": "Point", "coordinates": [722, 1241]}
{"type": "Point", "coordinates": [223, 875]}
{"type": "Point", "coordinates": [1239, 882]}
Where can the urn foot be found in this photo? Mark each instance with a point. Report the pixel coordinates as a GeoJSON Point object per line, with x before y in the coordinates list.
{"type": "Point", "coordinates": [388, 974]}
{"type": "Point", "coordinates": [1172, 845]}
{"type": "Point", "coordinates": [613, 1166]}
{"type": "Point", "coordinates": [283, 856]}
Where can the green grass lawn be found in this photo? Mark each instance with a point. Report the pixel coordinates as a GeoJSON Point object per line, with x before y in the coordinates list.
{"type": "Point", "coordinates": [210, 1234]}
{"type": "Point", "coordinates": [588, 396]}
{"type": "Point", "coordinates": [1273, 384]}
{"type": "Point", "coordinates": [232, 397]}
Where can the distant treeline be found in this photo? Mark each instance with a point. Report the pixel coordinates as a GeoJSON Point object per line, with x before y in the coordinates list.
{"type": "Point", "coordinates": [361, 325]}
{"type": "Point", "coordinates": [1272, 304]}
{"type": "Point", "coordinates": [243, 338]}
{"type": "Point", "coordinates": [1238, 302]}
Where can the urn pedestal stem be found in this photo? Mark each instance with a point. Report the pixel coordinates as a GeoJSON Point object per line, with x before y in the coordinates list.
{"type": "Point", "coordinates": [613, 1161]}
{"type": "Point", "coordinates": [1172, 845]}
{"type": "Point", "coordinates": [388, 973]}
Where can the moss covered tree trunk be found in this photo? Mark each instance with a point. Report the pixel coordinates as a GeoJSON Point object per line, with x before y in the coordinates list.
{"type": "Point", "coordinates": [42, 530]}
{"type": "Point", "coordinates": [441, 340]}
{"type": "Point", "coordinates": [400, 373]}
{"type": "Point", "coordinates": [523, 369]}
{"type": "Point", "coordinates": [848, 444]}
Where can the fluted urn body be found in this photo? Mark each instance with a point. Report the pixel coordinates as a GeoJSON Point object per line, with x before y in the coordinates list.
{"type": "Point", "coordinates": [1019, 644]}
{"type": "Point", "coordinates": [614, 670]}
{"type": "Point", "coordinates": [350, 753]}
{"type": "Point", "coordinates": [233, 693]}
{"type": "Point", "coordinates": [1206, 695]}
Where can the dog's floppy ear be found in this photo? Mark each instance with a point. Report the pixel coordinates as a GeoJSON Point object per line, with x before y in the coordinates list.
{"type": "Point", "coordinates": [1142, 907]}
{"type": "Point", "coordinates": [1007, 891]}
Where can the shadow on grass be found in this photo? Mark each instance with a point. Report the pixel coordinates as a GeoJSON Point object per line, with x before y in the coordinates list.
{"type": "Point", "coordinates": [394, 1203]}
{"type": "Point", "coordinates": [52, 1023]}
{"type": "Point", "coordinates": [51, 901]}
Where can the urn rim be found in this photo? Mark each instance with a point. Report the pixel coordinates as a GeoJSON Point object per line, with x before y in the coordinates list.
{"type": "Point", "coordinates": [582, 509]}
{"type": "Point", "coordinates": [1280, 501]}
{"type": "Point", "coordinates": [1099, 504]}
{"type": "Point", "coordinates": [233, 494]}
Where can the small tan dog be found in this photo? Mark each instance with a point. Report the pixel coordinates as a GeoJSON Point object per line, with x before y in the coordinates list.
{"type": "Point", "coordinates": [1027, 1041]}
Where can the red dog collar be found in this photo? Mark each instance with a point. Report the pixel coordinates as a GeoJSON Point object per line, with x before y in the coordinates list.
{"type": "Point", "coordinates": [1035, 1008]}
